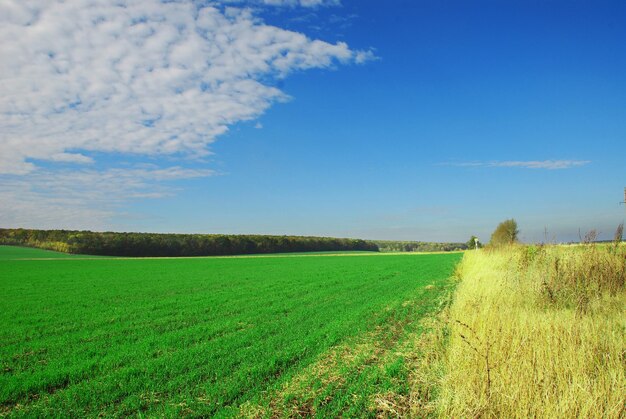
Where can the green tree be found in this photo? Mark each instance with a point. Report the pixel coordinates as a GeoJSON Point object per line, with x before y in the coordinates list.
{"type": "Point", "coordinates": [505, 233]}
{"type": "Point", "coordinates": [473, 243]}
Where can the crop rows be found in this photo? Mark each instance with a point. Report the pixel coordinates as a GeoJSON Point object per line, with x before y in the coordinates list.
{"type": "Point", "coordinates": [195, 336]}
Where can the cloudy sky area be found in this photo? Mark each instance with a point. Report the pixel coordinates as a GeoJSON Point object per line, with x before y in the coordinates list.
{"type": "Point", "coordinates": [417, 120]}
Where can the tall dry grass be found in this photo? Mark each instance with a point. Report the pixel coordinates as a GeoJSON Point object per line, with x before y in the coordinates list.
{"type": "Point", "coordinates": [538, 332]}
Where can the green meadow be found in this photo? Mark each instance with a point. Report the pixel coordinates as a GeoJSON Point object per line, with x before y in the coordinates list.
{"type": "Point", "coordinates": [17, 253]}
{"type": "Point", "coordinates": [252, 336]}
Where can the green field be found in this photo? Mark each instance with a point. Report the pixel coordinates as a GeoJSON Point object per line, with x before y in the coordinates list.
{"type": "Point", "coordinates": [15, 253]}
{"type": "Point", "coordinates": [204, 336]}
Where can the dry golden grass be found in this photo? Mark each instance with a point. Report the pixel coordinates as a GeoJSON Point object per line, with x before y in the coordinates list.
{"type": "Point", "coordinates": [538, 332]}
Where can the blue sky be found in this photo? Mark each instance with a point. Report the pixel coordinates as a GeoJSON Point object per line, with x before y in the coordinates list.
{"type": "Point", "coordinates": [421, 120]}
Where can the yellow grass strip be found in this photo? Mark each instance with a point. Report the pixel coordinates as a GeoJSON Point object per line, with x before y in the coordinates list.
{"type": "Point", "coordinates": [538, 332]}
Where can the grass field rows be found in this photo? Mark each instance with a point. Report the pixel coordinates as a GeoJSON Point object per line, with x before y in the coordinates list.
{"type": "Point", "coordinates": [21, 253]}
{"type": "Point", "coordinates": [207, 336]}
{"type": "Point", "coordinates": [29, 253]}
{"type": "Point", "coordinates": [530, 331]}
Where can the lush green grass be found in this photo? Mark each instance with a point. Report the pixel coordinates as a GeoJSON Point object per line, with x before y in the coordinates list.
{"type": "Point", "coordinates": [17, 252]}
{"type": "Point", "coordinates": [192, 336]}
{"type": "Point", "coordinates": [20, 252]}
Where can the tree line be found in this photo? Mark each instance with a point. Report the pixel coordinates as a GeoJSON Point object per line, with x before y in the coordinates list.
{"type": "Point", "coordinates": [417, 246]}
{"type": "Point", "coordinates": [153, 244]}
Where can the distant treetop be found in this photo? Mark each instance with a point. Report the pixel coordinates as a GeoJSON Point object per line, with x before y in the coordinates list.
{"type": "Point", "coordinates": [505, 233]}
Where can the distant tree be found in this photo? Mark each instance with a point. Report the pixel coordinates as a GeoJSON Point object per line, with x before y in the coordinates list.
{"type": "Point", "coordinates": [505, 233]}
{"type": "Point", "coordinates": [473, 243]}
{"type": "Point", "coordinates": [150, 244]}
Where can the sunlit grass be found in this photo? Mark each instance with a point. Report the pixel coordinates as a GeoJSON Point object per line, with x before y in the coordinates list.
{"type": "Point", "coordinates": [18, 253]}
{"type": "Point", "coordinates": [168, 337]}
{"type": "Point", "coordinates": [538, 332]}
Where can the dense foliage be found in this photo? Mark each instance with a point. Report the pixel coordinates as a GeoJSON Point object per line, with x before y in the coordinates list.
{"type": "Point", "coordinates": [150, 244]}
{"type": "Point", "coordinates": [474, 243]}
{"type": "Point", "coordinates": [415, 246]}
{"type": "Point", "coordinates": [505, 233]}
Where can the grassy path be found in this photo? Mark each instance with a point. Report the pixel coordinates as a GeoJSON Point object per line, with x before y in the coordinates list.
{"type": "Point", "coordinates": [370, 375]}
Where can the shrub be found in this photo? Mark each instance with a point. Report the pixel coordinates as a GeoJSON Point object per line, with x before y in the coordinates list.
{"type": "Point", "coordinates": [506, 233]}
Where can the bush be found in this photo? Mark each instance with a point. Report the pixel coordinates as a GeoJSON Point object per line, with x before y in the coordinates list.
{"type": "Point", "coordinates": [506, 233]}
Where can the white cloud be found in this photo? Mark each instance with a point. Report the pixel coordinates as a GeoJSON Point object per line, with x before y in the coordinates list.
{"type": "Point", "coordinates": [290, 3]}
{"type": "Point", "coordinates": [543, 164]}
{"type": "Point", "coordinates": [361, 57]}
{"type": "Point", "coordinates": [82, 199]}
{"type": "Point", "coordinates": [139, 76]}
{"type": "Point", "coordinates": [529, 164]}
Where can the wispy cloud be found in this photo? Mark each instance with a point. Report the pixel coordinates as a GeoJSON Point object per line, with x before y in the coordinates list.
{"type": "Point", "coordinates": [83, 198]}
{"type": "Point", "coordinates": [290, 3]}
{"type": "Point", "coordinates": [543, 164]}
{"type": "Point", "coordinates": [527, 164]}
